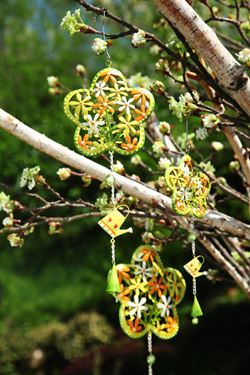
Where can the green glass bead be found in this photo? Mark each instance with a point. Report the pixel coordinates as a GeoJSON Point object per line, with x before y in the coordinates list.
{"type": "Point", "coordinates": [195, 321]}
{"type": "Point", "coordinates": [151, 359]}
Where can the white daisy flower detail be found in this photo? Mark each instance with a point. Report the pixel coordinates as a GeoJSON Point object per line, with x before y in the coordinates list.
{"type": "Point", "coordinates": [139, 257]}
{"type": "Point", "coordinates": [100, 88]}
{"type": "Point", "coordinates": [144, 271]}
{"type": "Point", "coordinates": [137, 306]}
{"type": "Point", "coordinates": [185, 195]}
{"type": "Point", "coordinates": [186, 171]}
{"type": "Point", "coordinates": [164, 306]}
{"type": "Point", "coordinates": [125, 105]}
{"type": "Point", "coordinates": [93, 123]}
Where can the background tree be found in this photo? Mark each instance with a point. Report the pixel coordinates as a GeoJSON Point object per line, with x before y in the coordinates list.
{"type": "Point", "coordinates": [205, 83]}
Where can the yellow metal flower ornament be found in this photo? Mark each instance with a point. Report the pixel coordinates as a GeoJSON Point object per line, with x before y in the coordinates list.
{"type": "Point", "coordinates": [149, 295]}
{"type": "Point", "coordinates": [190, 188]}
{"type": "Point", "coordinates": [109, 115]}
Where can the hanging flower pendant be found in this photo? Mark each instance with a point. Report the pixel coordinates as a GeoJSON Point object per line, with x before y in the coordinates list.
{"type": "Point", "coordinates": [109, 115]}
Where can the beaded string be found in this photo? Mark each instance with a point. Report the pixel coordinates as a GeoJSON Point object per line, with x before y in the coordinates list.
{"type": "Point", "coordinates": [112, 241]}
{"type": "Point", "coordinates": [194, 254]}
{"type": "Point", "coordinates": [196, 309]}
{"type": "Point", "coordinates": [150, 357]}
{"type": "Point", "coordinates": [108, 60]}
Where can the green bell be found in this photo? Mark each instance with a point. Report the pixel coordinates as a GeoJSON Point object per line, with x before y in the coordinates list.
{"type": "Point", "coordinates": [196, 309]}
{"type": "Point", "coordinates": [113, 286]}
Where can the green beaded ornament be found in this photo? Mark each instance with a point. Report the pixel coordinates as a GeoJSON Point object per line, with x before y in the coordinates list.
{"type": "Point", "coordinates": [109, 115]}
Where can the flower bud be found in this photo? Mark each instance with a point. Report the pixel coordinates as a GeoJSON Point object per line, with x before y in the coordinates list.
{"type": "Point", "coordinates": [217, 146]}
{"type": "Point", "coordinates": [15, 240]}
{"type": "Point", "coordinates": [7, 221]}
{"type": "Point", "coordinates": [53, 81]}
{"type": "Point", "coordinates": [86, 179]}
{"type": "Point", "coordinates": [63, 173]}
{"type": "Point", "coordinates": [234, 165]}
{"type": "Point", "coordinates": [164, 127]}
{"type": "Point", "coordinates": [118, 167]}
{"type": "Point", "coordinates": [139, 39]}
{"type": "Point", "coordinates": [80, 70]}
{"type": "Point", "coordinates": [158, 87]}
{"type": "Point", "coordinates": [136, 160]}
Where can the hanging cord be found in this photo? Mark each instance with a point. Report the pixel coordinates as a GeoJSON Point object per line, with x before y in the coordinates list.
{"type": "Point", "coordinates": [150, 357]}
{"type": "Point", "coordinates": [187, 130]}
{"type": "Point", "coordinates": [112, 241]}
{"type": "Point", "coordinates": [194, 255]}
{"type": "Point", "coordinates": [108, 60]}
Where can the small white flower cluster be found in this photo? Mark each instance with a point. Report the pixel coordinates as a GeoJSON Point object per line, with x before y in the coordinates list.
{"type": "Point", "coordinates": [6, 204]}
{"type": "Point", "coordinates": [99, 46]}
{"type": "Point", "coordinates": [138, 80]}
{"type": "Point", "coordinates": [244, 56]}
{"type": "Point", "coordinates": [158, 147]}
{"type": "Point", "coordinates": [73, 22]}
{"type": "Point", "coordinates": [139, 39]}
{"type": "Point", "coordinates": [164, 163]}
{"type": "Point", "coordinates": [210, 121]}
{"type": "Point", "coordinates": [201, 133]}
{"type": "Point", "coordinates": [183, 106]}
{"type": "Point", "coordinates": [29, 177]}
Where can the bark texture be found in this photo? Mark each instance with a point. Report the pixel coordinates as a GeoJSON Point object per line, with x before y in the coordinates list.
{"type": "Point", "coordinates": [229, 73]}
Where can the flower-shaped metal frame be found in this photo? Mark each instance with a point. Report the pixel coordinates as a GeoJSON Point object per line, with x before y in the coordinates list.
{"type": "Point", "coordinates": [149, 295]}
{"type": "Point", "coordinates": [190, 188]}
{"type": "Point", "coordinates": [109, 115]}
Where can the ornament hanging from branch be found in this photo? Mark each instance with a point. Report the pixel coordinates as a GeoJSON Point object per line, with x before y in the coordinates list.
{"type": "Point", "coordinates": [149, 296]}
{"type": "Point", "coordinates": [109, 115]}
{"type": "Point", "coordinates": [190, 188]}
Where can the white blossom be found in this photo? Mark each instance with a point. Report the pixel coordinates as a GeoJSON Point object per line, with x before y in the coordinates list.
{"type": "Point", "coordinates": [164, 306]}
{"type": "Point", "coordinates": [201, 133]}
{"type": "Point", "coordinates": [244, 56]}
{"type": "Point", "coordinates": [93, 123]}
{"type": "Point", "coordinates": [99, 46]}
{"type": "Point", "coordinates": [125, 105]}
{"type": "Point", "coordinates": [100, 88]}
{"type": "Point", "coordinates": [143, 270]}
{"type": "Point", "coordinates": [139, 39]}
{"type": "Point", "coordinates": [137, 306]}
{"type": "Point", "coordinates": [164, 163]}
{"type": "Point", "coordinates": [209, 121]}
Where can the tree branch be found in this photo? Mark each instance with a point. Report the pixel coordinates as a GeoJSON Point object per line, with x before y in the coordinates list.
{"type": "Point", "coordinates": [240, 153]}
{"type": "Point", "coordinates": [44, 144]}
{"type": "Point", "coordinates": [229, 73]}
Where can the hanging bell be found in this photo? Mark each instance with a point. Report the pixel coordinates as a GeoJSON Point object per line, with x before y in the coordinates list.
{"type": "Point", "coordinates": [113, 286]}
{"type": "Point", "coordinates": [196, 310]}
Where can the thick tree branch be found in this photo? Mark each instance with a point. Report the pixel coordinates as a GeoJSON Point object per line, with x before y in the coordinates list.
{"type": "Point", "coordinates": [240, 153]}
{"type": "Point", "coordinates": [214, 219]}
{"type": "Point", "coordinates": [229, 73]}
{"type": "Point", "coordinates": [42, 143]}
